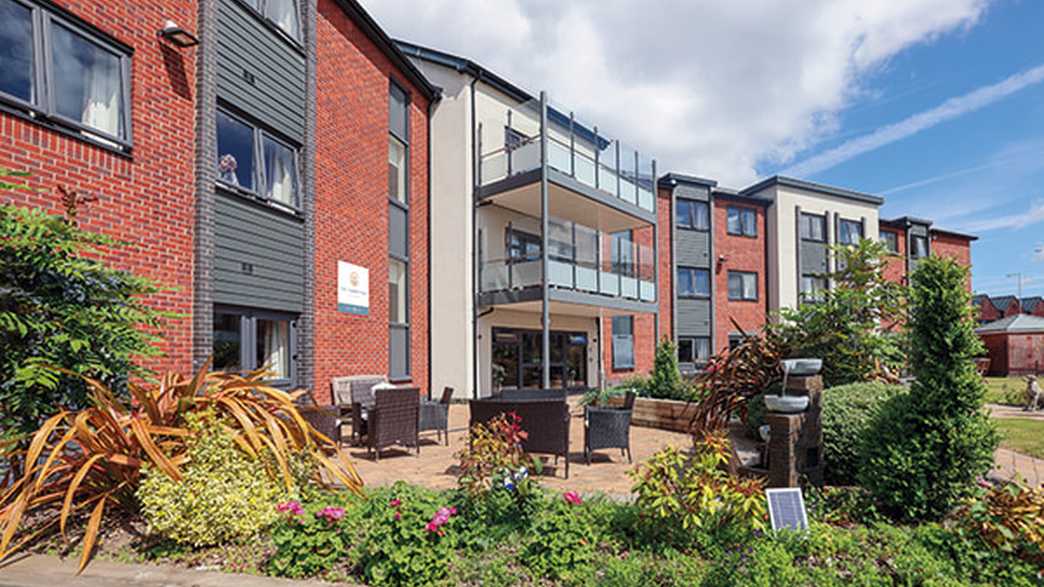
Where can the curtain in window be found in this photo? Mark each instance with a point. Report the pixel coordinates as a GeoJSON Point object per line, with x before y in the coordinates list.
{"type": "Point", "coordinates": [87, 81]}
{"type": "Point", "coordinates": [735, 223]}
{"type": "Point", "coordinates": [279, 169]}
{"type": "Point", "coordinates": [750, 287]}
{"type": "Point", "coordinates": [101, 109]}
{"type": "Point", "coordinates": [284, 14]}
{"type": "Point", "coordinates": [274, 341]}
{"type": "Point", "coordinates": [748, 217]}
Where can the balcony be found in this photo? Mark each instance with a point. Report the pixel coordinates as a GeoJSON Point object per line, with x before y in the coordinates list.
{"type": "Point", "coordinates": [585, 266]}
{"type": "Point", "coordinates": [581, 162]}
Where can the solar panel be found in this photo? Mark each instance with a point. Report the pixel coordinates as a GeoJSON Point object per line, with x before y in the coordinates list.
{"type": "Point", "coordinates": [787, 508]}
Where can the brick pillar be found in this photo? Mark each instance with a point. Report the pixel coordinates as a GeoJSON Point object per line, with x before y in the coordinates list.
{"type": "Point", "coordinates": [796, 440]}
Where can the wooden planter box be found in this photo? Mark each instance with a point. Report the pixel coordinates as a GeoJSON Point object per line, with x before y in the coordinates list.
{"type": "Point", "coordinates": [664, 414]}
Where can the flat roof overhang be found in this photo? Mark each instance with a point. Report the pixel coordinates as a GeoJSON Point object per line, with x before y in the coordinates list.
{"type": "Point", "coordinates": [566, 301]}
{"type": "Point", "coordinates": [568, 199]}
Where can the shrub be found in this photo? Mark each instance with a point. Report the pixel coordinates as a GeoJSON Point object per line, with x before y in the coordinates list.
{"type": "Point", "coordinates": [1010, 518]}
{"type": "Point", "coordinates": [62, 307]}
{"type": "Point", "coordinates": [310, 539]}
{"type": "Point", "coordinates": [926, 448]}
{"type": "Point", "coordinates": [680, 494]}
{"type": "Point", "coordinates": [223, 495]}
{"type": "Point", "coordinates": [408, 536]}
{"type": "Point", "coordinates": [848, 411]}
{"type": "Point", "coordinates": [665, 382]}
{"type": "Point", "coordinates": [561, 543]}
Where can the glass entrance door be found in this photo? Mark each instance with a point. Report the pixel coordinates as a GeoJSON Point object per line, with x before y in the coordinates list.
{"type": "Point", "coordinates": [518, 359]}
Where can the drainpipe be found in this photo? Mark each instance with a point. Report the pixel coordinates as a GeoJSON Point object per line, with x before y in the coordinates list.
{"type": "Point", "coordinates": [474, 246]}
{"type": "Point", "coordinates": [431, 112]}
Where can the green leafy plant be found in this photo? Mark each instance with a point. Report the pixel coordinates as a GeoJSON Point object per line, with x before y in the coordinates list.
{"type": "Point", "coordinates": [560, 544]}
{"type": "Point", "coordinates": [687, 493]}
{"type": "Point", "coordinates": [926, 448]}
{"type": "Point", "coordinates": [223, 495]}
{"type": "Point", "coordinates": [848, 411]}
{"type": "Point", "coordinates": [409, 537]}
{"type": "Point", "coordinates": [64, 313]}
{"type": "Point", "coordinates": [1010, 518]}
{"type": "Point", "coordinates": [310, 539]}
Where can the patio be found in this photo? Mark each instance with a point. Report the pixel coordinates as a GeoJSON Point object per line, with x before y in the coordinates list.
{"type": "Point", "coordinates": [436, 465]}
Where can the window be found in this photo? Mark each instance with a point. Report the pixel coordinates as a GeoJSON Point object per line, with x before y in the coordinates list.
{"type": "Point", "coordinates": [812, 287]}
{"type": "Point", "coordinates": [693, 282]}
{"type": "Point", "coordinates": [741, 221]}
{"type": "Point", "coordinates": [560, 241]}
{"type": "Point", "coordinates": [693, 350]}
{"type": "Point", "coordinates": [622, 253]}
{"type": "Point", "coordinates": [79, 81]}
{"type": "Point", "coordinates": [522, 246]}
{"type": "Point", "coordinates": [691, 214]}
{"type": "Point", "coordinates": [918, 247]}
{"type": "Point", "coordinates": [735, 340]}
{"type": "Point", "coordinates": [397, 292]}
{"type": "Point", "coordinates": [396, 169]}
{"type": "Point", "coordinates": [891, 240]}
{"type": "Point", "coordinates": [743, 286]}
{"type": "Point", "coordinates": [623, 342]}
{"type": "Point", "coordinates": [281, 13]}
{"type": "Point", "coordinates": [813, 227]}
{"type": "Point", "coordinates": [513, 139]}
{"type": "Point", "coordinates": [245, 340]}
{"type": "Point", "coordinates": [238, 143]}
{"type": "Point", "coordinates": [850, 232]}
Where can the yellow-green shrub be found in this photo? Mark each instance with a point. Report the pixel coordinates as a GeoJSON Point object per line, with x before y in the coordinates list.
{"type": "Point", "coordinates": [224, 495]}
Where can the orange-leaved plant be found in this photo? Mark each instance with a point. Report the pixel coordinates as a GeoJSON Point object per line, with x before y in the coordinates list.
{"type": "Point", "coordinates": [92, 459]}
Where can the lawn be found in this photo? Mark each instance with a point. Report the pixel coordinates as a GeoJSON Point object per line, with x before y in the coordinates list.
{"type": "Point", "coordinates": [1005, 390]}
{"type": "Point", "coordinates": [1022, 435]}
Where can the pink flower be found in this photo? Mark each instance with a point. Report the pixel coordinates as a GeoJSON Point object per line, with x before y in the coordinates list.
{"type": "Point", "coordinates": [330, 514]}
{"type": "Point", "coordinates": [292, 506]}
{"type": "Point", "coordinates": [572, 497]}
{"type": "Point", "coordinates": [398, 516]}
{"type": "Point", "coordinates": [440, 518]}
{"type": "Point", "coordinates": [395, 503]}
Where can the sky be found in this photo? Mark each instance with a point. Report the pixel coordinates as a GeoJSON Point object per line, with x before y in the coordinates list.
{"type": "Point", "coordinates": [937, 105]}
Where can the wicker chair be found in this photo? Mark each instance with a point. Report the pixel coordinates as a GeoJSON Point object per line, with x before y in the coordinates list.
{"type": "Point", "coordinates": [360, 392]}
{"type": "Point", "coordinates": [326, 420]}
{"type": "Point", "coordinates": [606, 427]}
{"type": "Point", "coordinates": [435, 415]}
{"type": "Point", "coordinates": [531, 394]}
{"type": "Point", "coordinates": [393, 419]}
{"type": "Point", "coordinates": [545, 421]}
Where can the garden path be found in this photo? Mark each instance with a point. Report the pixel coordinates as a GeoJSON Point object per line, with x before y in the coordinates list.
{"type": "Point", "coordinates": [1009, 464]}
{"type": "Point", "coordinates": [1002, 411]}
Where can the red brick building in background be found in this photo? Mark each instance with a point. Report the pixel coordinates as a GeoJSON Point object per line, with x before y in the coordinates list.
{"type": "Point", "coordinates": [737, 252]}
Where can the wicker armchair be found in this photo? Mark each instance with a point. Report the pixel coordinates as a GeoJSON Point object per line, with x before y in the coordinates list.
{"type": "Point", "coordinates": [545, 421]}
{"type": "Point", "coordinates": [435, 415]}
{"type": "Point", "coordinates": [325, 419]}
{"type": "Point", "coordinates": [606, 427]}
{"type": "Point", "coordinates": [393, 419]}
{"type": "Point", "coordinates": [360, 395]}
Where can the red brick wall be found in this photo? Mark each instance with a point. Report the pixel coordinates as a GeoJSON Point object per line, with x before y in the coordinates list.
{"type": "Point", "coordinates": [741, 254]}
{"type": "Point", "coordinates": [955, 247]}
{"type": "Point", "coordinates": [665, 286]}
{"type": "Point", "coordinates": [1025, 354]}
{"type": "Point", "coordinates": [644, 324]}
{"type": "Point", "coordinates": [352, 203]}
{"type": "Point", "coordinates": [895, 269]}
{"type": "Point", "coordinates": [148, 198]}
{"type": "Point", "coordinates": [997, 348]}
{"type": "Point", "coordinates": [989, 312]}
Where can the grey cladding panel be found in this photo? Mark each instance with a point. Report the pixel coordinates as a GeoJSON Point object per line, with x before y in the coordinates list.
{"type": "Point", "coordinates": [258, 256]}
{"type": "Point", "coordinates": [692, 247]}
{"type": "Point", "coordinates": [813, 257]}
{"type": "Point", "coordinates": [918, 229]}
{"type": "Point", "coordinates": [276, 95]}
{"type": "Point", "coordinates": [692, 192]}
{"type": "Point", "coordinates": [693, 317]}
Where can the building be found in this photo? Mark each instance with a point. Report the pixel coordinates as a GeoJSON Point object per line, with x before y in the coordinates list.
{"type": "Point", "coordinates": [546, 274]}
{"type": "Point", "coordinates": [266, 160]}
{"type": "Point", "coordinates": [912, 239]}
{"type": "Point", "coordinates": [1015, 344]}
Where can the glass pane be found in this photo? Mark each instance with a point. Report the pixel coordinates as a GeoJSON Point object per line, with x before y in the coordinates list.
{"type": "Point", "coordinates": [702, 213]}
{"type": "Point", "coordinates": [735, 286]}
{"type": "Point", "coordinates": [87, 82]}
{"type": "Point", "coordinates": [396, 292]}
{"type": "Point", "coordinates": [749, 223]}
{"type": "Point", "coordinates": [16, 50]}
{"type": "Point", "coordinates": [702, 349]}
{"type": "Point", "coordinates": [273, 347]}
{"type": "Point", "coordinates": [227, 342]}
{"type": "Point", "coordinates": [683, 213]}
{"type": "Point", "coordinates": [396, 169]}
{"type": "Point", "coordinates": [685, 350]}
{"type": "Point", "coordinates": [235, 152]}
{"type": "Point", "coordinates": [686, 287]}
{"type": "Point", "coordinates": [750, 286]}
{"type": "Point", "coordinates": [622, 325]}
{"type": "Point", "coordinates": [280, 172]}
{"type": "Point", "coordinates": [505, 362]}
{"type": "Point", "coordinates": [734, 222]}
{"type": "Point", "coordinates": [702, 282]}
{"type": "Point", "coordinates": [284, 14]}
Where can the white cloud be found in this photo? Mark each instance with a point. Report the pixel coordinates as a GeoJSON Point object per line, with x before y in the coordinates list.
{"type": "Point", "coordinates": [1034, 215]}
{"type": "Point", "coordinates": [710, 88]}
{"type": "Point", "coordinates": [948, 110]}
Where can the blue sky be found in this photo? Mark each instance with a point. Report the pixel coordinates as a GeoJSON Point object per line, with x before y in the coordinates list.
{"type": "Point", "coordinates": [936, 104]}
{"type": "Point", "coordinates": [981, 171]}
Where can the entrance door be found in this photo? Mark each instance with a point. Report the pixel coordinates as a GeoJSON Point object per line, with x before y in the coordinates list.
{"type": "Point", "coordinates": [518, 359]}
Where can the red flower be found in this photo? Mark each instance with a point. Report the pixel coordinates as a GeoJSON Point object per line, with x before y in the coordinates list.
{"type": "Point", "coordinates": [572, 497]}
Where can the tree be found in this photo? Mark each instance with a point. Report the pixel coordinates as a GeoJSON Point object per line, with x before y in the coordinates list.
{"type": "Point", "coordinates": [851, 325]}
{"type": "Point", "coordinates": [925, 449]}
{"type": "Point", "coordinates": [666, 378]}
{"type": "Point", "coordinates": [63, 313]}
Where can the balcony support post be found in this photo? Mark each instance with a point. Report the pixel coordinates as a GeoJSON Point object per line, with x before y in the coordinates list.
{"type": "Point", "coordinates": [656, 251]}
{"type": "Point", "coordinates": [573, 226]}
{"type": "Point", "coordinates": [572, 145]}
{"type": "Point", "coordinates": [545, 266]}
{"type": "Point", "coordinates": [510, 150]}
{"type": "Point", "coordinates": [618, 194]}
{"type": "Point", "coordinates": [598, 152]}
{"type": "Point", "coordinates": [507, 258]}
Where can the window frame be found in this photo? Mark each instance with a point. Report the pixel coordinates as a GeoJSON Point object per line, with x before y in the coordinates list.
{"type": "Point", "coordinates": [742, 274]}
{"type": "Point", "coordinates": [41, 108]}
{"type": "Point", "coordinates": [841, 222]}
{"type": "Point", "coordinates": [258, 174]}
{"type": "Point", "coordinates": [805, 298]}
{"type": "Point", "coordinates": [404, 206]}
{"type": "Point", "coordinates": [693, 204]}
{"type": "Point", "coordinates": [695, 271]}
{"type": "Point", "coordinates": [913, 247]}
{"type": "Point", "coordinates": [742, 211]}
{"type": "Point", "coordinates": [695, 341]}
{"type": "Point", "coordinates": [248, 318]}
{"type": "Point", "coordinates": [801, 227]}
{"type": "Point", "coordinates": [625, 365]}
{"type": "Point", "coordinates": [889, 242]}
{"type": "Point", "coordinates": [259, 13]}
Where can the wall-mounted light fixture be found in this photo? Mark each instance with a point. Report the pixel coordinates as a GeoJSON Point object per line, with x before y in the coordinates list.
{"type": "Point", "coordinates": [177, 35]}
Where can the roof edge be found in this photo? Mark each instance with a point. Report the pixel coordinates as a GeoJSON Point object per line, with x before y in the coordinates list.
{"type": "Point", "coordinates": [674, 178]}
{"type": "Point", "coordinates": [462, 65]}
{"type": "Point", "coordinates": [813, 187]}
